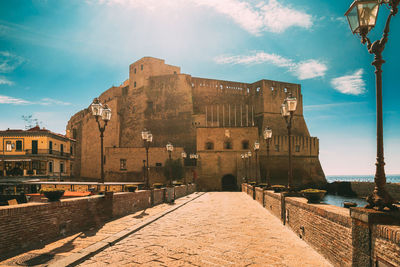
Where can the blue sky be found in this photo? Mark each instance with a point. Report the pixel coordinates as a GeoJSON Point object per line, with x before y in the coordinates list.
{"type": "Point", "coordinates": [55, 56]}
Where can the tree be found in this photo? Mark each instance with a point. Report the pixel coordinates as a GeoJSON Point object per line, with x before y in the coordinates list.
{"type": "Point", "coordinates": [173, 170]}
{"type": "Point", "coordinates": [30, 121]}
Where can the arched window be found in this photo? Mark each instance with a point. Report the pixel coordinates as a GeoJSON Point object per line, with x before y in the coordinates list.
{"type": "Point", "coordinates": [209, 145]}
{"type": "Point", "coordinates": [245, 144]}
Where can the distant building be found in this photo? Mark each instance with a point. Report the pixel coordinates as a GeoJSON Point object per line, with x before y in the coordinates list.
{"type": "Point", "coordinates": [35, 152]}
{"type": "Point", "coordinates": [218, 120]}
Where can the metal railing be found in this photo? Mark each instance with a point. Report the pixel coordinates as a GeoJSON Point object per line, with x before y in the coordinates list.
{"type": "Point", "coordinates": [47, 152]}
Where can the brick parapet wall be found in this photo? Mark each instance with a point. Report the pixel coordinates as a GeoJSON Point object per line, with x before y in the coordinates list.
{"type": "Point", "coordinates": [191, 188]}
{"type": "Point", "coordinates": [158, 196]}
{"type": "Point", "coordinates": [30, 225]}
{"type": "Point", "coordinates": [327, 228]}
{"type": "Point", "coordinates": [386, 244]}
{"type": "Point", "coordinates": [128, 202]}
{"type": "Point", "coordinates": [260, 195]}
{"type": "Point", "coordinates": [180, 191]}
{"type": "Point", "coordinates": [333, 232]}
{"type": "Point", "coordinates": [273, 202]}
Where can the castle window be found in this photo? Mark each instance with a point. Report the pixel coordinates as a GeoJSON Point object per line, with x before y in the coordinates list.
{"type": "Point", "coordinates": [50, 166]}
{"type": "Point", "coordinates": [74, 133]}
{"type": "Point", "coordinates": [141, 67]}
{"type": "Point", "coordinates": [272, 88]}
{"type": "Point", "coordinates": [277, 148]}
{"type": "Point", "coordinates": [18, 145]}
{"type": "Point", "coordinates": [122, 164]}
{"type": "Point", "coordinates": [258, 89]}
{"type": "Point", "coordinates": [158, 164]}
{"type": "Point", "coordinates": [285, 90]}
{"type": "Point", "coordinates": [134, 84]}
{"type": "Point", "coordinates": [297, 148]}
{"type": "Point", "coordinates": [228, 145]}
{"type": "Point", "coordinates": [134, 71]}
{"type": "Point", "coordinates": [174, 72]}
{"type": "Point", "coordinates": [150, 107]}
{"type": "Point", "coordinates": [245, 144]}
{"type": "Point", "coordinates": [209, 146]}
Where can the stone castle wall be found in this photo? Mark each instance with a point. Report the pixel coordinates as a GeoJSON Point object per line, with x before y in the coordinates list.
{"type": "Point", "coordinates": [176, 107]}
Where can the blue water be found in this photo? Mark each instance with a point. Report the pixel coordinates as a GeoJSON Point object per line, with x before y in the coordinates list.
{"type": "Point", "coordinates": [392, 178]}
{"type": "Point", "coordinates": [338, 200]}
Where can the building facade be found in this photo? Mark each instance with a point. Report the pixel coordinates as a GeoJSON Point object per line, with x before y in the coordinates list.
{"type": "Point", "coordinates": [193, 113]}
{"type": "Point", "coordinates": [35, 152]}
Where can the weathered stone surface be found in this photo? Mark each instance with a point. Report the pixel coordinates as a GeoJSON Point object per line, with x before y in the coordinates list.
{"type": "Point", "coordinates": [188, 112]}
{"type": "Point", "coordinates": [216, 229]}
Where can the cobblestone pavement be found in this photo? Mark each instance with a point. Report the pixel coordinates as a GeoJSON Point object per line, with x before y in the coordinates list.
{"type": "Point", "coordinates": [66, 246]}
{"type": "Point", "coordinates": [217, 229]}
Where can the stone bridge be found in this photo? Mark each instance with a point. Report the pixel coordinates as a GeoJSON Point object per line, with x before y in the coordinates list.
{"type": "Point", "coordinates": [221, 229]}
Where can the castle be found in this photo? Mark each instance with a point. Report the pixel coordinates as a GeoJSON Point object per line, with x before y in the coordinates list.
{"type": "Point", "coordinates": [217, 120]}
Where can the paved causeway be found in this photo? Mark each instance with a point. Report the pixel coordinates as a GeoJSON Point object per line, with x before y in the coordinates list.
{"type": "Point", "coordinates": [216, 229]}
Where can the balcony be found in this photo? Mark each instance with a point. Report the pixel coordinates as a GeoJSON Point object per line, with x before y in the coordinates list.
{"type": "Point", "coordinates": [47, 152]}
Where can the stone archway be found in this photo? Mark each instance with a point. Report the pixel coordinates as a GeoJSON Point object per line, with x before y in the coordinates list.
{"type": "Point", "coordinates": [229, 183]}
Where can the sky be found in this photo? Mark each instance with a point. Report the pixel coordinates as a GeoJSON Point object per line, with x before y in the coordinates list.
{"type": "Point", "coordinates": [57, 55]}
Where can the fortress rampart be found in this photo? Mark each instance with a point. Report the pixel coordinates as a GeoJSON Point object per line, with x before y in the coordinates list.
{"type": "Point", "coordinates": [184, 110]}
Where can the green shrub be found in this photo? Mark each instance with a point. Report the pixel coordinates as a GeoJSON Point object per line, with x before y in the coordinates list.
{"type": "Point", "coordinates": [131, 187]}
{"type": "Point", "coordinates": [158, 185]}
{"type": "Point", "coordinates": [52, 194]}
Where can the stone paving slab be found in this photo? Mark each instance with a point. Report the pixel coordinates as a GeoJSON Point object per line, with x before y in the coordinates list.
{"type": "Point", "coordinates": [216, 229]}
{"type": "Point", "coordinates": [75, 247]}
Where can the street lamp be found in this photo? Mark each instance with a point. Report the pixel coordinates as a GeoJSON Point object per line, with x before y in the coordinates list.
{"type": "Point", "coordinates": [98, 110]}
{"type": "Point", "coordinates": [147, 138]}
{"type": "Point", "coordinates": [256, 149]}
{"type": "Point", "coordinates": [243, 157]}
{"type": "Point", "coordinates": [268, 137]}
{"type": "Point", "coordinates": [287, 109]}
{"type": "Point", "coordinates": [249, 162]}
{"type": "Point", "coordinates": [362, 18]}
{"type": "Point", "coordinates": [170, 148]}
{"type": "Point", "coordinates": [184, 156]}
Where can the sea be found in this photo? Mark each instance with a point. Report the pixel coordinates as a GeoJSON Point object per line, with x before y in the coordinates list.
{"type": "Point", "coordinates": [390, 178]}
{"type": "Point", "coordinates": [338, 200]}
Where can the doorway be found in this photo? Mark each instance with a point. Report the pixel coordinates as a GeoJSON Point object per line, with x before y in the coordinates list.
{"type": "Point", "coordinates": [229, 183]}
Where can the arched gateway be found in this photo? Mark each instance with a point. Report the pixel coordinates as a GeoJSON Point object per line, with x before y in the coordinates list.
{"type": "Point", "coordinates": [229, 183]}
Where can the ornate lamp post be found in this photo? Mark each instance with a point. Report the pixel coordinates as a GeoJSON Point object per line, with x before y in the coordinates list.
{"type": "Point", "coordinates": [256, 149]}
{"type": "Point", "coordinates": [287, 109]}
{"type": "Point", "coordinates": [362, 18]}
{"type": "Point", "coordinates": [268, 137]}
{"type": "Point", "coordinates": [184, 156]}
{"type": "Point", "coordinates": [147, 138]}
{"type": "Point", "coordinates": [243, 157]}
{"type": "Point", "coordinates": [98, 110]}
{"type": "Point", "coordinates": [249, 163]}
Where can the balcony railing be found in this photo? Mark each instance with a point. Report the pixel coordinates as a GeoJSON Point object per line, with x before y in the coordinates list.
{"type": "Point", "coordinates": [47, 152]}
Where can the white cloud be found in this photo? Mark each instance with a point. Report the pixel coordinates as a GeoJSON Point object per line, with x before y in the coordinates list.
{"type": "Point", "coordinates": [9, 62]}
{"type": "Point", "coordinates": [268, 15]}
{"type": "Point", "coordinates": [4, 80]}
{"type": "Point", "coordinates": [350, 84]}
{"type": "Point", "coordinates": [302, 70]}
{"type": "Point", "coordinates": [50, 101]}
{"type": "Point", "coordinates": [310, 69]}
{"type": "Point", "coordinates": [12, 100]}
{"type": "Point", "coordinates": [19, 101]}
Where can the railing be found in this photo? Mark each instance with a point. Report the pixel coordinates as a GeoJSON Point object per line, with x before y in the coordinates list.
{"type": "Point", "coordinates": [47, 152]}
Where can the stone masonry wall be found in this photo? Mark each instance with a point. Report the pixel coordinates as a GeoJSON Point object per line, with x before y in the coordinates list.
{"type": "Point", "coordinates": [386, 245]}
{"type": "Point", "coordinates": [273, 203]}
{"type": "Point", "coordinates": [260, 195]}
{"type": "Point", "coordinates": [30, 225]}
{"type": "Point", "coordinates": [158, 196]}
{"type": "Point", "coordinates": [334, 232]}
{"type": "Point", "coordinates": [327, 228]}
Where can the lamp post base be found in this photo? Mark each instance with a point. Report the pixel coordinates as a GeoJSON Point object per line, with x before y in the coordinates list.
{"type": "Point", "coordinates": [379, 200]}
